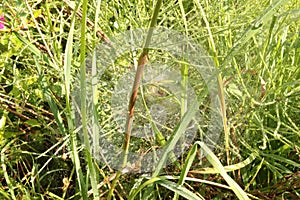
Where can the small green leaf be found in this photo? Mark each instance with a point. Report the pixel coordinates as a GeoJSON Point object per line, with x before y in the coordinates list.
{"type": "Point", "coordinates": [33, 123]}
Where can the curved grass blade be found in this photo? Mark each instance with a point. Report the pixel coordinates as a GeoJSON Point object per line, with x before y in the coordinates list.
{"type": "Point", "coordinates": [187, 165]}
{"type": "Point", "coordinates": [228, 168]}
{"type": "Point", "coordinates": [181, 190]}
{"type": "Point", "coordinates": [212, 158]}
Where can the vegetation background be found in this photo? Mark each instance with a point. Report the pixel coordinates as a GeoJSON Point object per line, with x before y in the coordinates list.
{"type": "Point", "coordinates": [255, 45]}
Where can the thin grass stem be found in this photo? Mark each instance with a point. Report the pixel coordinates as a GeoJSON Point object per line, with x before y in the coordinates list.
{"type": "Point", "coordinates": [135, 87]}
{"type": "Point", "coordinates": [220, 82]}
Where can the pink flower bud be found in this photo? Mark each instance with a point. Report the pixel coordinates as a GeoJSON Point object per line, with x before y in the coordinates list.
{"type": "Point", "coordinates": [2, 19]}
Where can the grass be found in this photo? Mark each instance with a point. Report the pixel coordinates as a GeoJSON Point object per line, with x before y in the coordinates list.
{"type": "Point", "coordinates": [254, 45]}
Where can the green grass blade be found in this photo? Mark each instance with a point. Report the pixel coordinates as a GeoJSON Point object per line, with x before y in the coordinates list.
{"type": "Point", "coordinates": [263, 19]}
{"type": "Point", "coordinates": [180, 190]}
{"type": "Point", "coordinates": [83, 98]}
{"type": "Point", "coordinates": [212, 158]}
{"type": "Point", "coordinates": [281, 159]}
{"type": "Point", "coordinates": [49, 98]}
{"type": "Point", "coordinates": [178, 132]}
{"type": "Point", "coordinates": [220, 82]}
{"type": "Point", "coordinates": [149, 182]}
{"type": "Point", "coordinates": [7, 178]}
{"type": "Point", "coordinates": [229, 168]}
{"type": "Point", "coordinates": [187, 165]}
{"type": "Point", "coordinates": [67, 83]}
{"type": "Point", "coordinates": [33, 49]}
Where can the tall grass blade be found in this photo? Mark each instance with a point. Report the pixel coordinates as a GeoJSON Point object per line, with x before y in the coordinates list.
{"type": "Point", "coordinates": [67, 82]}
{"type": "Point", "coordinates": [178, 132]}
{"type": "Point", "coordinates": [187, 165]}
{"type": "Point", "coordinates": [83, 98]}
